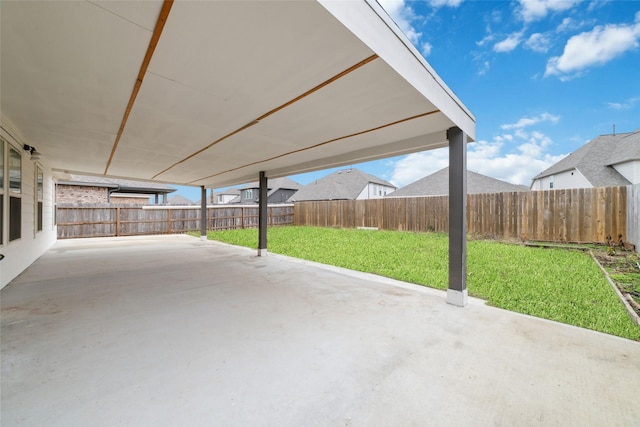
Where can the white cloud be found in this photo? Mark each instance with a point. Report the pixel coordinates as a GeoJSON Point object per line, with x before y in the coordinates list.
{"type": "Point", "coordinates": [625, 105]}
{"type": "Point", "coordinates": [403, 15]}
{"type": "Point", "coordinates": [426, 49]}
{"type": "Point", "coordinates": [442, 3]}
{"type": "Point", "coordinates": [508, 44]}
{"type": "Point", "coordinates": [484, 68]}
{"type": "Point", "coordinates": [528, 156]}
{"type": "Point", "coordinates": [533, 10]}
{"type": "Point", "coordinates": [530, 121]}
{"type": "Point", "coordinates": [595, 47]}
{"type": "Point", "coordinates": [538, 42]}
{"type": "Point", "coordinates": [488, 38]}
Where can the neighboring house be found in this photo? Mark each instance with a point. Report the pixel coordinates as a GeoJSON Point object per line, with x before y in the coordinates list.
{"type": "Point", "coordinates": [78, 189]}
{"type": "Point", "coordinates": [437, 184]}
{"type": "Point", "coordinates": [279, 190]}
{"type": "Point", "coordinates": [606, 161]}
{"type": "Point", "coordinates": [346, 184]}
{"type": "Point", "coordinates": [226, 196]}
{"type": "Point", "coordinates": [179, 200]}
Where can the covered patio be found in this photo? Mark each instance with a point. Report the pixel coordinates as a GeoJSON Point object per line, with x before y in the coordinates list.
{"type": "Point", "coordinates": [172, 330]}
{"type": "Point", "coordinates": [214, 94]}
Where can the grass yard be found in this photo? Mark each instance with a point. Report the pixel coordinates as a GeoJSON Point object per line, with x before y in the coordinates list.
{"type": "Point", "coordinates": [557, 284]}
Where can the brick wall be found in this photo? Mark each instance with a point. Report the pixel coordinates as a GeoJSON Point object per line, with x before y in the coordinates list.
{"type": "Point", "coordinates": [80, 194]}
{"type": "Point", "coordinates": [124, 200]}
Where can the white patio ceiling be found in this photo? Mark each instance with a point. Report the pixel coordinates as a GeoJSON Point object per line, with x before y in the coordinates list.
{"type": "Point", "coordinates": [231, 89]}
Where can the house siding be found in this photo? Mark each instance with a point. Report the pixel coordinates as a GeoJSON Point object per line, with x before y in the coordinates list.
{"type": "Point", "coordinates": [20, 253]}
{"type": "Point", "coordinates": [630, 170]}
{"type": "Point", "coordinates": [281, 196]}
{"type": "Point", "coordinates": [569, 179]}
{"type": "Point", "coordinates": [372, 191]}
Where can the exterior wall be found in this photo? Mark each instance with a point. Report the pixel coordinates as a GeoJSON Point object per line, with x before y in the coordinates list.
{"type": "Point", "coordinates": [223, 199]}
{"type": "Point", "coordinates": [281, 195]}
{"type": "Point", "coordinates": [630, 170]}
{"type": "Point", "coordinates": [77, 194]}
{"type": "Point", "coordinates": [568, 179]}
{"type": "Point", "coordinates": [373, 191]}
{"type": "Point", "coordinates": [20, 253]}
{"type": "Point", "coordinates": [249, 195]}
{"type": "Point", "coordinates": [118, 199]}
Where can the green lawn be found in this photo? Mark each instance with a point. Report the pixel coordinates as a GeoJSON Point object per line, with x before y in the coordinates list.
{"type": "Point", "coordinates": [557, 284]}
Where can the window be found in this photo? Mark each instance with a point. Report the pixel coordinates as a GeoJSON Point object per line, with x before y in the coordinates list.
{"type": "Point", "coordinates": [247, 194]}
{"type": "Point", "coordinates": [15, 194]}
{"type": "Point", "coordinates": [551, 181]}
{"type": "Point", "coordinates": [39, 197]}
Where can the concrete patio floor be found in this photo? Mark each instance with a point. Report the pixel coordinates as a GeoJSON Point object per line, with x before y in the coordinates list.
{"type": "Point", "coordinates": [172, 330]}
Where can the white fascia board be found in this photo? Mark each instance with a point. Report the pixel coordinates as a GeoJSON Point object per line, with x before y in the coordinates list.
{"type": "Point", "coordinates": [370, 23]}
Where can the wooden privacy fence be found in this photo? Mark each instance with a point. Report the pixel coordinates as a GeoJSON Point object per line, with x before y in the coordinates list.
{"type": "Point", "coordinates": [568, 215]}
{"type": "Point", "coordinates": [633, 215]}
{"type": "Point", "coordinates": [105, 220]}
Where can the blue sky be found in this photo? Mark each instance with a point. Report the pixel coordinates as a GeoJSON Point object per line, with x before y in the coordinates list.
{"type": "Point", "coordinates": [542, 77]}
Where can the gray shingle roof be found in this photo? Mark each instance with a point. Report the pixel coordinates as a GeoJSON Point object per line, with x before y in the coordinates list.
{"type": "Point", "coordinates": [346, 184]}
{"type": "Point", "coordinates": [437, 184]}
{"type": "Point", "coordinates": [594, 159]}
{"type": "Point", "coordinates": [179, 200]}
{"type": "Point", "coordinates": [275, 184]}
{"type": "Point", "coordinates": [627, 148]}
{"type": "Point", "coordinates": [229, 192]}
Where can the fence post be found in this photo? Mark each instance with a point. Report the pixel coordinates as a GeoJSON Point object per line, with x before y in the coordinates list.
{"type": "Point", "coordinates": [117, 221]}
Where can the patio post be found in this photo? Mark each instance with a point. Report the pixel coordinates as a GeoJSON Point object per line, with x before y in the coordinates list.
{"type": "Point", "coordinates": [457, 292]}
{"type": "Point", "coordinates": [203, 213]}
{"type": "Point", "coordinates": [262, 215]}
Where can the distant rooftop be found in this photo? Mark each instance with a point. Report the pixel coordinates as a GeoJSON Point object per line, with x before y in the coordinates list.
{"type": "Point", "coordinates": [345, 184]}
{"type": "Point", "coordinates": [595, 159]}
{"type": "Point", "coordinates": [123, 185]}
{"type": "Point", "coordinates": [437, 184]}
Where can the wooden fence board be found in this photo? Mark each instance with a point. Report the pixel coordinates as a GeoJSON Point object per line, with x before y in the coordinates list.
{"type": "Point", "coordinates": [565, 215]}
{"type": "Point", "coordinates": [632, 219]}
{"type": "Point", "coordinates": [108, 220]}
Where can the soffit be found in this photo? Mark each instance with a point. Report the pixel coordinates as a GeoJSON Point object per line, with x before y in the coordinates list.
{"type": "Point", "coordinates": [331, 84]}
